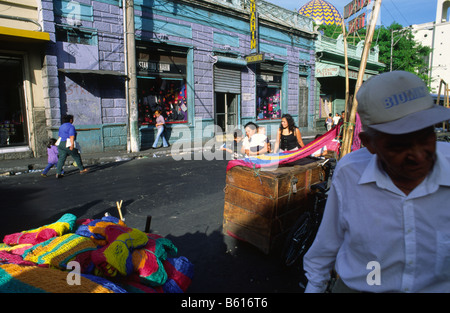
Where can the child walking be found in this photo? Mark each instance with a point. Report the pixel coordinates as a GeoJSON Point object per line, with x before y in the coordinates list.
{"type": "Point", "coordinates": [52, 153]}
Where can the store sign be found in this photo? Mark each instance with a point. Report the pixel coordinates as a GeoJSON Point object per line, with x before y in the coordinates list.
{"type": "Point", "coordinates": [267, 78]}
{"type": "Point", "coordinates": [151, 67]}
{"type": "Point", "coordinates": [357, 23]}
{"type": "Point", "coordinates": [253, 27]}
{"type": "Point", "coordinates": [255, 58]}
{"type": "Point", "coordinates": [354, 7]}
{"type": "Point", "coordinates": [327, 71]}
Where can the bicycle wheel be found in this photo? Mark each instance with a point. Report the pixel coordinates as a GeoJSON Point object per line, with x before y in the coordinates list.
{"type": "Point", "coordinates": [299, 240]}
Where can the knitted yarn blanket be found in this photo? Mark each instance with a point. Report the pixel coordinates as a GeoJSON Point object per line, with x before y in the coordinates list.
{"type": "Point", "coordinates": [112, 257]}
{"type": "Point", "coordinates": [58, 251]}
{"type": "Point", "coordinates": [148, 262]}
{"type": "Point", "coordinates": [115, 257]}
{"type": "Point", "coordinates": [34, 236]}
{"type": "Point", "coordinates": [95, 228]}
{"type": "Point", "coordinates": [35, 279]}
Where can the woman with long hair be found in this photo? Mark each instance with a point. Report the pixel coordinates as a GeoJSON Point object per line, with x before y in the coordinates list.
{"type": "Point", "coordinates": [289, 137]}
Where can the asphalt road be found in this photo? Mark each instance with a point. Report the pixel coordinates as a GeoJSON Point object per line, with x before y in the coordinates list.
{"type": "Point", "coordinates": [185, 199]}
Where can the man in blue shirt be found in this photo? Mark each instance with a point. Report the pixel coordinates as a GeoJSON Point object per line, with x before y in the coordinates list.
{"type": "Point", "coordinates": [66, 146]}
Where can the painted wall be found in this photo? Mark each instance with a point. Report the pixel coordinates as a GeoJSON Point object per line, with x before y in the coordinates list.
{"type": "Point", "coordinates": [206, 28]}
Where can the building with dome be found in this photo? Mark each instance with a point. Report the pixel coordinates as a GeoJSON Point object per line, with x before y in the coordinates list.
{"type": "Point", "coordinates": [330, 63]}
{"type": "Point", "coordinates": [322, 12]}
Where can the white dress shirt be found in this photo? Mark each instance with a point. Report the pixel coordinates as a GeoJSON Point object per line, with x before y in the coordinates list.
{"type": "Point", "coordinates": [367, 218]}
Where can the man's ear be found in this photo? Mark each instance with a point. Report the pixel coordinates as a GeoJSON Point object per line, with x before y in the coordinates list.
{"type": "Point", "coordinates": [367, 141]}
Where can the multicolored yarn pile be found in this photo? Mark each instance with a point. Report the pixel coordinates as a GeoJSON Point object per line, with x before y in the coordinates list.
{"type": "Point", "coordinates": [111, 257]}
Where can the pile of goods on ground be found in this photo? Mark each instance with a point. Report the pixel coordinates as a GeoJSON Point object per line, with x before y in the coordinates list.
{"type": "Point", "coordinates": [91, 256]}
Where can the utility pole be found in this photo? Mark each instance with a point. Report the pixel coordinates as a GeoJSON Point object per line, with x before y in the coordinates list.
{"type": "Point", "coordinates": [133, 129]}
{"type": "Point", "coordinates": [348, 132]}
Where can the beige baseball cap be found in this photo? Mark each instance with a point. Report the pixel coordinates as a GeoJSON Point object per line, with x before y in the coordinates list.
{"type": "Point", "coordinates": [398, 102]}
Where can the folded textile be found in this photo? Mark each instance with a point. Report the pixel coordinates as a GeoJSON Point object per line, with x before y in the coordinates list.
{"type": "Point", "coordinates": [147, 262]}
{"type": "Point", "coordinates": [34, 279]}
{"type": "Point", "coordinates": [34, 236]}
{"type": "Point", "coordinates": [17, 249]}
{"type": "Point", "coordinates": [59, 251]}
{"type": "Point", "coordinates": [10, 258]}
{"type": "Point", "coordinates": [115, 257]}
{"type": "Point", "coordinates": [95, 229]}
{"type": "Point", "coordinates": [180, 272]}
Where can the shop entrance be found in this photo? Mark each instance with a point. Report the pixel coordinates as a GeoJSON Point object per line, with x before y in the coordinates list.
{"type": "Point", "coordinates": [12, 102]}
{"type": "Point", "coordinates": [226, 111]}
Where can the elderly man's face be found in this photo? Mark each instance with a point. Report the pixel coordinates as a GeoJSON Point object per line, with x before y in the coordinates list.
{"type": "Point", "coordinates": [405, 158]}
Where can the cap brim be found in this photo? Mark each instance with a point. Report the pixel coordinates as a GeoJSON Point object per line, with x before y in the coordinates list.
{"type": "Point", "coordinates": [415, 121]}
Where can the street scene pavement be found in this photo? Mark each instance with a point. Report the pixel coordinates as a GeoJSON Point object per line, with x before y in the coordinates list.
{"type": "Point", "coordinates": [184, 198]}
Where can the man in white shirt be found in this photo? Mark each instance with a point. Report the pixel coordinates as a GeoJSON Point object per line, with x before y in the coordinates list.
{"type": "Point", "coordinates": [386, 226]}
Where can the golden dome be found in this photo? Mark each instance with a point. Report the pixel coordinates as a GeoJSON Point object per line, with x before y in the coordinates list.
{"type": "Point", "coordinates": [322, 12]}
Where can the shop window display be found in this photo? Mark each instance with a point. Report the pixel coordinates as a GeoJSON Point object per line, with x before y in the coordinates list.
{"type": "Point", "coordinates": [268, 102]}
{"type": "Point", "coordinates": [166, 95]}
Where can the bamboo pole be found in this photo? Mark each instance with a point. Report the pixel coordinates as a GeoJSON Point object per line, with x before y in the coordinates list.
{"type": "Point", "coordinates": [348, 132]}
{"type": "Point", "coordinates": [347, 92]}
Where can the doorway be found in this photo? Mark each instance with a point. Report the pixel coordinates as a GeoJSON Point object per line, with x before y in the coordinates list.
{"type": "Point", "coordinates": [226, 112]}
{"type": "Point", "coordinates": [13, 129]}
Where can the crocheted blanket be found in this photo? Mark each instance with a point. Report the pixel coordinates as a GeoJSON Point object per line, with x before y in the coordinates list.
{"type": "Point", "coordinates": [34, 236]}
{"type": "Point", "coordinates": [110, 255]}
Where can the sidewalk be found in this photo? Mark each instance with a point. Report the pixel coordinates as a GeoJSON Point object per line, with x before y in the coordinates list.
{"type": "Point", "coordinates": [19, 166]}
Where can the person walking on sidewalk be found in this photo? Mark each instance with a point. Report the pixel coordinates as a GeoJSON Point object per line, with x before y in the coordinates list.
{"type": "Point", "coordinates": [52, 156]}
{"type": "Point", "coordinates": [160, 124]}
{"type": "Point", "coordinates": [67, 146]}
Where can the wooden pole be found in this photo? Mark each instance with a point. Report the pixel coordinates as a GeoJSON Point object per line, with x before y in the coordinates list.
{"type": "Point", "coordinates": [348, 132]}
{"type": "Point", "coordinates": [347, 92]}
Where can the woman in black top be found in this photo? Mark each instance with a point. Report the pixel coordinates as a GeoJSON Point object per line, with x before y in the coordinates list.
{"type": "Point", "coordinates": [288, 137]}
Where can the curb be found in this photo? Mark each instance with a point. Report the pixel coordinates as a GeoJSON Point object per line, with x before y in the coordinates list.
{"type": "Point", "coordinates": [32, 165]}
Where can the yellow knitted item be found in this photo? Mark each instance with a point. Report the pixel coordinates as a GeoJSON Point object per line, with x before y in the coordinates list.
{"type": "Point", "coordinates": [59, 251]}
{"type": "Point", "coordinates": [15, 249]}
{"type": "Point", "coordinates": [45, 280]}
{"type": "Point", "coordinates": [118, 253]}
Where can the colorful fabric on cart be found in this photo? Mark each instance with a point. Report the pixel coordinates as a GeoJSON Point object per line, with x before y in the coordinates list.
{"type": "Point", "coordinates": [283, 158]}
{"type": "Point", "coordinates": [34, 236]}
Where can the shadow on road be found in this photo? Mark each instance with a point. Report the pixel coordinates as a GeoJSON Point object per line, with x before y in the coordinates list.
{"type": "Point", "coordinates": [231, 266]}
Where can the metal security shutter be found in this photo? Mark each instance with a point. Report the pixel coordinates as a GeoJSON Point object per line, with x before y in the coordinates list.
{"type": "Point", "coordinates": [227, 80]}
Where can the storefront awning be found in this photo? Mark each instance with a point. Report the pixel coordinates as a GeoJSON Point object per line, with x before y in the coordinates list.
{"type": "Point", "coordinates": [23, 35]}
{"type": "Point", "coordinates": [328, 70]}
{"type": "Point", "coordinates": [92, 72]}
{"type": "Point", "coordinates": [230, 61]}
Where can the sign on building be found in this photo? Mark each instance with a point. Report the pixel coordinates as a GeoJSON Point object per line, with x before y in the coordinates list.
{"type": "Point", "coordinates": [354, 7]}
{"type": "Point", "coordinates": [253, 27]}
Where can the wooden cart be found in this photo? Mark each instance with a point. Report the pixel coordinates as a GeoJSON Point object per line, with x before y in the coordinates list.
{"type": "Point", "coordinates": [262, 206]}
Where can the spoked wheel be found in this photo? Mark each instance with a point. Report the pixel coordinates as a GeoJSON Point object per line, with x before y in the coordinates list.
{"type": "Point", "coordinates": [299, 240]}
